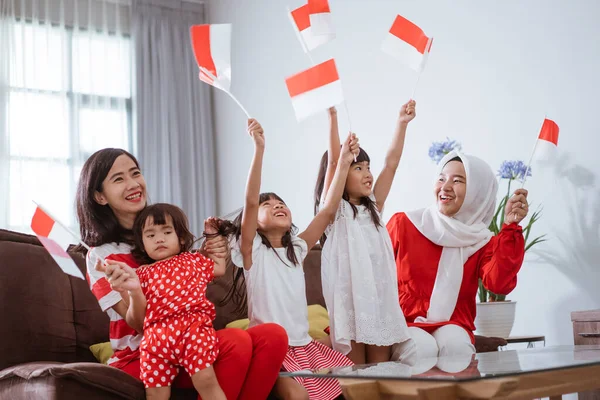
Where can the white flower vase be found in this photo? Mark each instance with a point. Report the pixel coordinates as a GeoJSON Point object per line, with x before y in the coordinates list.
{"type": "Point", "coordinates": [495, 319]}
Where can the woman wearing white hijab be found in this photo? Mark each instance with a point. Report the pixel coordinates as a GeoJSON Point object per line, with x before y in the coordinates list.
{"type": "Point", "coordinates": [442, 251]}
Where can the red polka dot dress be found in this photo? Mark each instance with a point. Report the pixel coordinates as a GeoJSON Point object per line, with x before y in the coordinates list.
{"type": "Point", "coordinates": [178, 330]}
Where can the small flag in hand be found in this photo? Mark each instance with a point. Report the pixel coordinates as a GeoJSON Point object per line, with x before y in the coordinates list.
{"type": "Point", "coordinates": [315, 89]}
{"type": "Point", "coordinates": [56, 240]}
{"type": "Point", "coordinates": [212, 49]}
{"type": "Point", "coordinates": [320, 17]}
{"type": "Point", "coordinates": [547, 143]}
{"type": "Point", "coordinates": [301, 21]}
{"type": "Point", "coordinates": [408, 43]}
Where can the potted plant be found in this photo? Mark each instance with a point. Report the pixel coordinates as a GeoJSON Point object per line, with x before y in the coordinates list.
{"type": "Point", "coordinates": [496, 315]}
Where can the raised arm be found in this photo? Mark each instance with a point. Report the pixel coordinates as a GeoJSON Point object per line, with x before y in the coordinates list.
{"type": "Point", "coordinates": [333, 151]}
{"type": "Point", "coordinates": [251, 204]}
{"type": "Point", "coordinates": [392, 158]}
{"type": "Point", "coordinates": [327, 213]}
{"type": "Point", "coordinates": [502, 259]}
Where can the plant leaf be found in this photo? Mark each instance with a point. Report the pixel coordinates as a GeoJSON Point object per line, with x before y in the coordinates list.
{"type": "Point", "coordinates": [535, 241]}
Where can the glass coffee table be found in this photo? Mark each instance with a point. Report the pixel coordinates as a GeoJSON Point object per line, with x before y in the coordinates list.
{"type": "Point", "coordinates": [515, 374]}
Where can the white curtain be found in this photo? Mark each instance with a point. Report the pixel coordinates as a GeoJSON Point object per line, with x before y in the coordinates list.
{"type": "Point", "coordinates": [65, 92]}
{"type": "Point", "coordinates": [174, 118]}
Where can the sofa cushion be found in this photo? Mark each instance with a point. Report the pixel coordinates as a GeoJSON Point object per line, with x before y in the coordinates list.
{"type": "Point", "coordinates": [312, 275]}
{"type": "Point", "coordinates": [216, 292]}
{"type": "Point", "coordinates": [37, 304]}
{"type": "Point", "coordinates": [89, 380]}
{"type": "Point", "coordinates": [102, 351]}
{"type": "Point", "coordinates": [318, 321]}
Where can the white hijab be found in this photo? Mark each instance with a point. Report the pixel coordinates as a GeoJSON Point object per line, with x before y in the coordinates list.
{"type": "Point", "coordinates": [460, 235]}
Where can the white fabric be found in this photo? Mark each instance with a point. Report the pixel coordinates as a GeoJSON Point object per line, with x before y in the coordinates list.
{"type": "Point", "coordinates": [173, 109]}
{"type": "Point", "coordinates": [220, 50]}
{"type": "Point", "coordinates": [404, 52]}
{"type": "Point", "coordinates": [545, 150]}
{"type": "Point", "coordinates": [61, 236]}
{"type": "Point", "coordinates": [68, 266]}
{"type": "Point", "coordinates": [307, 37]}
{"type": "Point", "coordinates": [65, 92]}
{"type": "Point", "coordinates": [358, 274]}
{"type": "Point", "coordinates": [461, 235]}
{"type": "Point", "coordinates": [317, 100]}
{"type": "Point", "coordinates": [312, 41]}
{"type": "Point", "coordinates": [449, 348]}
{"type": "Point", "coordinates": [276, 290]}
{"type": "Point", "coordinates": [322, 24]}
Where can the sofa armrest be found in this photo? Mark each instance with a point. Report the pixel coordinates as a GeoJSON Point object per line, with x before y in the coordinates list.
{"type": "Point", "coordinates": [52, 380]}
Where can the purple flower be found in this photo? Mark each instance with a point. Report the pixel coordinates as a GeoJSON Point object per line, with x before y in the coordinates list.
{"type": "Point", "coordinates": [513, 170]}
{"type": "Point", "coordinates": [438, 150]}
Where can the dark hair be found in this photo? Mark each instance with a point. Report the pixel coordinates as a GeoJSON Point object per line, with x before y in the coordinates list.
{"type": "Point", "coordinates": [237, 293]}
{"type": "Point", "coordinates": [159, 213]}
{"type": "Point", "coordinates": [97, 223]}
{"type": "Point", "coordinates": [457, 158]}
{"type": "Point", "coordinates": [364, 201]}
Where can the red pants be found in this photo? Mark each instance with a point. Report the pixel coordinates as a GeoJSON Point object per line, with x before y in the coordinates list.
{"type": "Point", "coordinates": [248, 363]}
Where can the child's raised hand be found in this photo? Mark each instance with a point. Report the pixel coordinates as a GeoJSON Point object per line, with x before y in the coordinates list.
{"type": "Point", "coordinates": [256, 132]}
{"type": "Point", "coordinates": [332, 111]}
{"type": "Point", "coordinates": [350, 148]}
{"type": "Point", "coordinates": [408, 112]}
{"type": "Point", "coordinates": [215, 246]}
{"type": "Point", "coordinates": [211, 226]}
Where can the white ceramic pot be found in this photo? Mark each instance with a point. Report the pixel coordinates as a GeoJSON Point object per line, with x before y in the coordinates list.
{"type": "Point", "coordinates": [495, 319]}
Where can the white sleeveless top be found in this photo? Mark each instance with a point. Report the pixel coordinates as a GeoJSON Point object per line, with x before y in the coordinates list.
{"type": "Point", "coordinates": [358, 273]}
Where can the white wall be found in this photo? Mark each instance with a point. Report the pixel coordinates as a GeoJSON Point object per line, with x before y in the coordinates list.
{"type": "Point", "coordinates": [495, 69]}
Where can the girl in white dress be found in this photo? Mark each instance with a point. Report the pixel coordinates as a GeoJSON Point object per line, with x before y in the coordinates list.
{"type": "Point", "coordinates": [270, 255]}
{"type": "Point", "coordinates": [358, 270]}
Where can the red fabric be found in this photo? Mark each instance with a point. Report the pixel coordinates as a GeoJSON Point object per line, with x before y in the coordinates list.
{"type": "Point", "coordinates": [247, 365]}
{"type": "Point", "coordinates": [269, 347]}
{"type": "Point", "coordinates": [316, 356]}
{"type": "Point", "coordinates": [417, 259]}
{"type": "Point", "coordinates": [177, 285]}
{"type": "Point", "coordinates": [124, 338]}
{"type": "Point", "coordinates": [183, 340]}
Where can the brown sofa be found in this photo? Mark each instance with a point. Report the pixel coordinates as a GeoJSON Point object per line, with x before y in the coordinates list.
{"type": "Point", "coordinates": [48, 320]}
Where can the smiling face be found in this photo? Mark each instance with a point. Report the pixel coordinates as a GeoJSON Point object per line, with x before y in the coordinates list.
{"type": "Point", "coordinates": [450, 188]}
{"type": "Point", "coordinates": [359, 182]}
{"type": "Point", "coordinates": [273, 214]}
{"type": "Point", "coordinates": [123, 190]}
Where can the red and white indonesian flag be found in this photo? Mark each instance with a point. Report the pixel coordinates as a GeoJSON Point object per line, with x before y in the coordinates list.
{"type": "Point", "coordinates": [315, 89]}
{"type": "Point", "coordinates": [320, 17]}
{"type": "Point", "coordinates": [212, 49]}
{"type": "Point", "coordinates": [547, 143]}
{"type": "Point", "coordinates": [301, 20]}
{"type": "Point", "coordinates": [408, 43]}
{"type": "Point", "coordinates": [56, 239]}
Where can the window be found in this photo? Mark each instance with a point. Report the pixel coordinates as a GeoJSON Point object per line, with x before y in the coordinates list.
{"type": "Point", "coordinates": [69, 94]}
